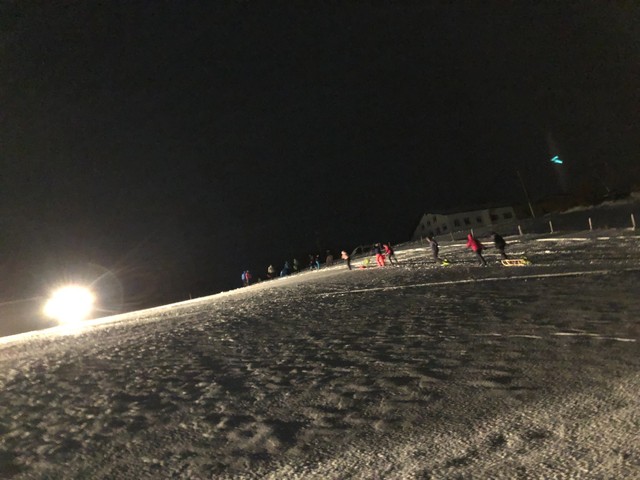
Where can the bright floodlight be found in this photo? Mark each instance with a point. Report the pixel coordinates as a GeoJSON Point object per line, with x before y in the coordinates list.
{"type": "Point", "coordinates": [70, 304]}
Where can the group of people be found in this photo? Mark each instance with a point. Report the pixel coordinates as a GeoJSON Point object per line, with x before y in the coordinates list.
{"type": "Point", "coordinates": [476, 247]}
{"type": "Point", "coordinates": [288, 268]}
{"type": "Point", "coordinates": [383, 252]}
{"type": "Point", "coordinates": [246, 278]}
{"type": "Point", "coordinates": [474, 244]}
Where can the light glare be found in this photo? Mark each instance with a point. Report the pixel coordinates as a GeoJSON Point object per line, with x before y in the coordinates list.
{"type": "Point", "coordinates": [70, 304]}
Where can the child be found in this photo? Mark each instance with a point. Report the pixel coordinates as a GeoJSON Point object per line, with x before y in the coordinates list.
{"type": "Point", "coordinates": [435, 249]}
{"type": "Point", "coordinates": [377, 249]}
{"type": "Point", "coordinates": [389, 253]}
{"type": "Point", "coordinates": [500, 244]}
{"type": "Point", "coordinates": [345, 256]}
{"type": "Point", "coordinates": [474, 244]}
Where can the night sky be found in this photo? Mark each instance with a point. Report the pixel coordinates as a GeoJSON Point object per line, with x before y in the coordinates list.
{"type": "Point", "coordinates": [175, 144]}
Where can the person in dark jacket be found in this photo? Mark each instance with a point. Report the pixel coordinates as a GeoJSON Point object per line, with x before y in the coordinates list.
{"type": "Point", "coordinates": [377, 250]}
{"type": "Point", "coordinates": [500, 244]}
{"type": "Point", "coordinates": [329, 259]}
{"type": "Point", "coordinates": [474, 244]}
{"type": "Point", "coordinates": [435, 249]}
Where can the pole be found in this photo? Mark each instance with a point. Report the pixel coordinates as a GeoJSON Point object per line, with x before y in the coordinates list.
{"type": "Point", "coordinates": [590, 224]}
{"type": "Point", "coordinates": [550, 227]}
{"type": "Point", "coordinates": [520, 230]}
{"type": "Point", "coordinates": [526, 194]}
{"type": "Point", "coordinates": [633, 221]}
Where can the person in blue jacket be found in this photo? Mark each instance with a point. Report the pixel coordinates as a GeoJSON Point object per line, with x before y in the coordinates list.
{"type": "Point", "coordinates": [286, 270]}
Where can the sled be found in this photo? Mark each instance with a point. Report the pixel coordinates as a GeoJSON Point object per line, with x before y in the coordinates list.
{"type": "Point", "coordinates": [515, 262]}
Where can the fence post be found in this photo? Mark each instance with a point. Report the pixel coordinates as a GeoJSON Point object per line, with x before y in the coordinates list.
{"type": "Point", "coordinates": [633, 221]}
{"type": "Point", "coordinates": [520, 230]}
{"type": "Point", "coordinates": [550, 226]}
{"type": "Point", "coordinates": [472, 233]}
{"type": "Point", "coordinates": [590, 224]}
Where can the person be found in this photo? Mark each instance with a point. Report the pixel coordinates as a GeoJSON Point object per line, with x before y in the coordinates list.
{"type": "Point", "coordinates": [377, 249]}
{"type": "Point", "coordinates": [271, 272]}
{"type": "Point", "coordinates": [314, 262]}
{"type": "Point", "coordinates": [329, 260]}
{"type": "Point", "coordinates": [389, 253]}
{"type": "Point", "coordinates": [246, 278]}
{"type": "Point", "coordinates": [435, 250]}
{"type": "Point", "coordinates": [500, 244]}
{"type": "Point", "coordinates": [474, 244]}
{"type": "Point", "coordinates": [286, 270]}
{"type": "Point", "coordinates": [345, 256]}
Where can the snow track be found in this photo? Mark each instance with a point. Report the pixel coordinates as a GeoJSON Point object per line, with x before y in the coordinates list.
{"type": "Point", "coordinates": [409, 372]}
{"type": "Point", "coordinates": [483, 279]}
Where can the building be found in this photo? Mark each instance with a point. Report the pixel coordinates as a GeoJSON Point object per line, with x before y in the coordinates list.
{"type": "Point", "coordinates": [443, 224]}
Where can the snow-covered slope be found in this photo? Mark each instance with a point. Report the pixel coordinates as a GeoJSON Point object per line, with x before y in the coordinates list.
{"type": "Point", "coordinates": [416, 371]}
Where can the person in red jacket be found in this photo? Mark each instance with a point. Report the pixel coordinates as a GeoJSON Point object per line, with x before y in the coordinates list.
{"type": "Point", "coordinates": [388, 251]}
{"type": "Point", "coordinates": [474, 244]}
{"type": "Point", "coordinates": [246, 278]}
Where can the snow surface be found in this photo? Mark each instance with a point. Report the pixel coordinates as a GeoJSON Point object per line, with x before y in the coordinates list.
{"type": "Point", "coordinates": [408, 372]}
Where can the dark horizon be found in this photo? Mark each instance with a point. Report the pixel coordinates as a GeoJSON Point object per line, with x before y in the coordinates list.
{"type": "Point", "coordinates": [177, 145]}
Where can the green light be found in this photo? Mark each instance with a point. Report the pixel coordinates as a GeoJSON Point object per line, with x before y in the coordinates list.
{"type": "Point", "coordinates": [557, 160]}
